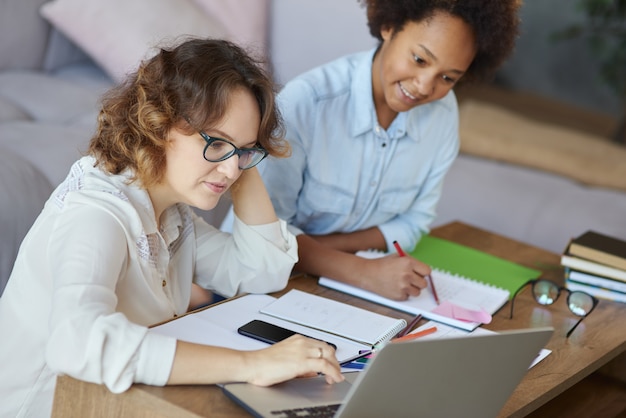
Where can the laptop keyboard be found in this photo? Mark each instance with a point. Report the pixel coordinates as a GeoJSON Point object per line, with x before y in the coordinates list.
{"type": "Point", "coordinates": [321, 411]}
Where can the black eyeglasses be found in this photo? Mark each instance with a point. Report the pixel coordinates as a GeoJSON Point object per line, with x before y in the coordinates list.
{"type": "Point", "coordinates": [219, 149]}
{"type": "Point", "coordinates": [546, 292]}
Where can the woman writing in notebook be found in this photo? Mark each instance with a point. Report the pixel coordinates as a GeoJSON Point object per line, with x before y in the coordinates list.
{"type": "Point", "coordinates": [374, 133]}
{"type": "Point", "coordinates": [117, 246]}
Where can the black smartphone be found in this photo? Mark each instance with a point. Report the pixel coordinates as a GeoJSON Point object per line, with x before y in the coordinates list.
{"type": "Point", "coordinates": [269, 333]}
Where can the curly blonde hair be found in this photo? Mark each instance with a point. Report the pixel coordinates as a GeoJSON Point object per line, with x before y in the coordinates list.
{"type": "Point", "coordinates": [188, 87]}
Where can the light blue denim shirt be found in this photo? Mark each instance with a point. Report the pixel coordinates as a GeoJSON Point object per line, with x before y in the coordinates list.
{"type": "Point", "coordinates": [346, 173]}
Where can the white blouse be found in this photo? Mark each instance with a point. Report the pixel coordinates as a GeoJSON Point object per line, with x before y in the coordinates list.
{"type": "Point", "coordinates": [94, 272]}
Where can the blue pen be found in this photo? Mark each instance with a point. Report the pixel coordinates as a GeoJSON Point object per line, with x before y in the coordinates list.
{"type": "Point", "coordinates": [358, 366]}
{"type": "Point", "coordinates": [362, 353]}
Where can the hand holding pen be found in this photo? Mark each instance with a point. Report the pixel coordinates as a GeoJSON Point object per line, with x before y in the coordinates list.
{"type": "Point", "coordinates": [428, 277]}
{"type": "Point", "coordinates": [396, 278]}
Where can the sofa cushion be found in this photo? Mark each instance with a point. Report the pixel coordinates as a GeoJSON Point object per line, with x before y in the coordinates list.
{"type": "Point", "coordinates": [23, 192]}
{"type": "Point", "coordinates": [23, 34]}
{"type": "Point", "coordinates": [50, 99]}
{"type": "Point", "coordinates": [87, 75]}
{"type": "Point", "coordinates": [61, 52]}
{"type": "Point", "coordinates": [118, 34]}
{"type": "Point", "coordinates": [492, 132]}
{"type": "Point", "coordinates": [9, 110]}
{"type": "Point", "coordinates": [530, 205]}
{"type": "Point", "coordinates": [49, 147]}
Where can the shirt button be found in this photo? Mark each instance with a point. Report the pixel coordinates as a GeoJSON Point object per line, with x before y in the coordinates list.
{"type": "Point", "coordinates": [164, 283]}
{"type": "Point", "coordinates": [373, 183]}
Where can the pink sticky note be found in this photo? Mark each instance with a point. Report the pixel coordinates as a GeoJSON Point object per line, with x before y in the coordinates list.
{"type": "Point", "coordinates": [445, 309]}
{"type": "Point", "coordinates": [451, 310]}
{"type": "Point", "coordinates": [471, 315]}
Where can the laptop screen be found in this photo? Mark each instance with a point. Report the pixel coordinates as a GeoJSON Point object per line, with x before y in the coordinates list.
{"type": "Point", "coordinates": [471, 376]}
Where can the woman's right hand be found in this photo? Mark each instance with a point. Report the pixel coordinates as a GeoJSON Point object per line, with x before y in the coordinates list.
{"type": "Point", "coordinates": [393, 277]}
{"type": "Point", "coordinates": [251, 202]}
{"type": "Point", "coordinates": [296, 356]}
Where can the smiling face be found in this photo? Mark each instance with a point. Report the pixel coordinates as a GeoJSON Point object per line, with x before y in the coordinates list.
{"type": "Point", "coordinates": [420, 64]}
{"type": "Point", "coordinates": [191, 179]}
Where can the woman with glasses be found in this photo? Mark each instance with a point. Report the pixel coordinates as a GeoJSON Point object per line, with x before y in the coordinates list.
{"type": "Point", "coordinates": [374, 133]}
{"type": "Point", "coordinates": [117, 246]}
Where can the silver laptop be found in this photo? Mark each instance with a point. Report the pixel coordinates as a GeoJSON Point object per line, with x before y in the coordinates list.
{"type": "Point", "coordinates": [447, 377]}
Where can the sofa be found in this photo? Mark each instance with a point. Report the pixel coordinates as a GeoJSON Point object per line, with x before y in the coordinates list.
{"type": "Point", "coordinates": [58, 57]}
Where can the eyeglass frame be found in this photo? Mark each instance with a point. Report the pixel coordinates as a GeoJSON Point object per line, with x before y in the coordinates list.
{"type": "Point", "coordinates": [236, 150]}
{"type": "Point", "coordinates": [559, 288]}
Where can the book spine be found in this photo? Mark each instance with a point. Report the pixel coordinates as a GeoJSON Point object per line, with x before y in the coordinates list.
{"type": "Point", "coordinates": [593, 280]}
{"type": "Point", "coordinates": [597, 256]}
{"type": "Point", "coordinates": [596, 291]}
{"type": "Point", "coordinates": [593, 268]}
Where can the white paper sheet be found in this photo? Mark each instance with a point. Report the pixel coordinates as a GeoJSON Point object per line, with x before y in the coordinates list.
{"type": "Point", "coordinates": [218, 325]}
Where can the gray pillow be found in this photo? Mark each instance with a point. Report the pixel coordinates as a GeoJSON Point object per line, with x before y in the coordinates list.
{"type": "Point", "coordinates": [62, 52]}
{"type": "Point", "coordinates": [23, 34]}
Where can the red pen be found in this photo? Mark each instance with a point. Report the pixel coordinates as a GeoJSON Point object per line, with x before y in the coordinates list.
{"type": "Point", "coordinates": [410, 326]}
{"type": "Point", "coordinates": [398, 249]}
{"type": "Point", "coordinates": [432, 288]}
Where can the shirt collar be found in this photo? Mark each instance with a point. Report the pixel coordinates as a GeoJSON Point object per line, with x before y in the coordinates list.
{"type": "Point", "coordinates": [140, 199]}
{"type": "Point", "coordinates": [363, 113]}
{"type": "Point", "coordinates": [362, 103]}
{"type": "Point", "coordinates": [119, 185]}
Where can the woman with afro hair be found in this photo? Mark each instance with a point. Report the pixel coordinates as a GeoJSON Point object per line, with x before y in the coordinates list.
{"type": "Point", "coordinates": [374, 133]}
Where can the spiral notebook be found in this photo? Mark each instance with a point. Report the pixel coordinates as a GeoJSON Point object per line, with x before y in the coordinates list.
{"type": "Point", "coordinates": [454, 292]}
{"type": "Point", "coordinates": [333, 317]}
{"type": "Point", "coordinates": [465, 261]}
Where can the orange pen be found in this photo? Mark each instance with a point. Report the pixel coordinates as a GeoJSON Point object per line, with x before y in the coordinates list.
{"type": "Point", "coordinates": [415, 335]}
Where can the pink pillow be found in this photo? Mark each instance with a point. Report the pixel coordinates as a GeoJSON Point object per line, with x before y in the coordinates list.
{"type": "Point", "coordinates": [118, 34]}
{"type": "Point", "coordinates": [245, 21]}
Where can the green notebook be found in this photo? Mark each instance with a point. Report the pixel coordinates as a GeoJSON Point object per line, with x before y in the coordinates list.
{"type": "Point", "coordinates": [474, 264]}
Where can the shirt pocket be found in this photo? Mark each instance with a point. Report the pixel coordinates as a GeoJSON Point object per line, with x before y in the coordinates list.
{"type": "Point", "coordinates": [320, 197]}
{"type": "Point", "coordinates": [324, 207]}
{"type": "Point", "coordinates": [397, 201]}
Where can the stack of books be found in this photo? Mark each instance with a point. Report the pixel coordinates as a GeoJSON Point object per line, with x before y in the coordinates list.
{"type": "Point", "coordinates": [596, 263]}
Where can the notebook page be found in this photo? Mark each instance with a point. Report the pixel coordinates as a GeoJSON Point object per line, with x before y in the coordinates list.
{"type": "Point", "coordinates": [452, 288]}
{"type": "Point", "coordinates": [217, 326]}
{"type": "Point", "coordinates": [334, 317]}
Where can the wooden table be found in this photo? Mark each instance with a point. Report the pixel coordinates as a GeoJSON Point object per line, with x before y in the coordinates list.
{"type": "Point", "coordinates": [597, 340]}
